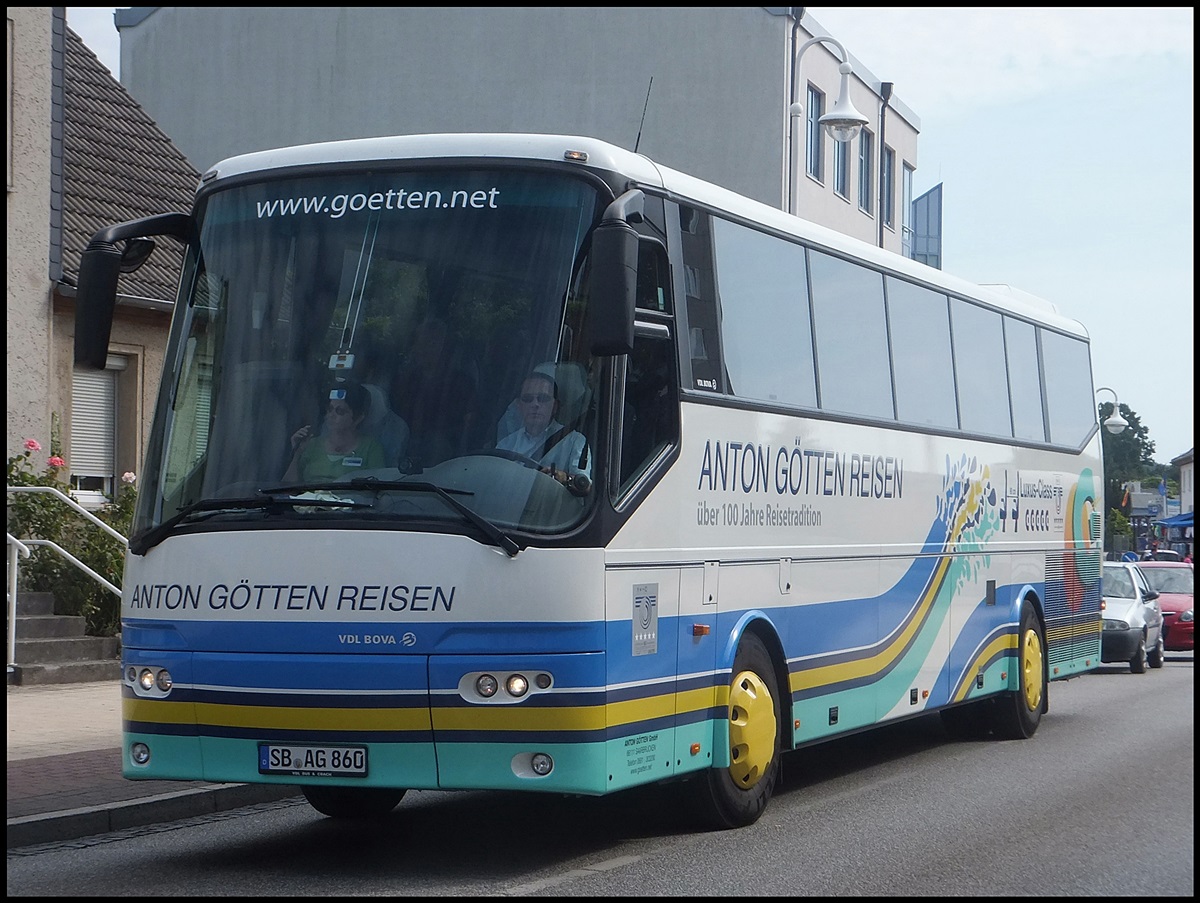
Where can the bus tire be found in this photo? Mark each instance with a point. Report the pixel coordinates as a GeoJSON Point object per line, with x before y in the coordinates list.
{"type": "Point", "coordinates": [353, 802]}
{"type": "Point", "coordinates": [736, 796]}
{"type": "Point", "coordinates": [1017, 714]}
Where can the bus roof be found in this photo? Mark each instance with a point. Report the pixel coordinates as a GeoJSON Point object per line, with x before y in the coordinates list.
{"type": "Point", "coordinates": [644, 171]}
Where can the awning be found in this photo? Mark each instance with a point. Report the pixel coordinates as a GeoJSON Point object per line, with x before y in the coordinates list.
{"type": "Point", "coordinates": [1179, 520]}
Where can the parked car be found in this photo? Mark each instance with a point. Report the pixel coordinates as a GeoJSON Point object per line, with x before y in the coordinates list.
{"type": "Point", "coordinates": [1173, 581]}
{"type": "Point", "coordinates": [1162, 555]}
{"type": "Point", "coordinates": [1133, 621]}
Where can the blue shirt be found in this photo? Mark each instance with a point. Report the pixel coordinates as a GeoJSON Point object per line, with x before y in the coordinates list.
{"type": "Point", "coordinates": [565, 455]}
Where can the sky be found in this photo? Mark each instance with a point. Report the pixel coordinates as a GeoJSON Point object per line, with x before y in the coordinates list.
{"type": "Point", "coordinates": [1031, 120]}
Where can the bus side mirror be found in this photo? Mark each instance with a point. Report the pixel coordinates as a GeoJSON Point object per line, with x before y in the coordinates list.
{"type": "Point", "coordinates": [137, 251]}
{"type": "Point", "coordinates": [613, 296]}
{"type": "Point", "coordinates": [100, 268]}
{"type": "Point", "coordinates": [95, 298]}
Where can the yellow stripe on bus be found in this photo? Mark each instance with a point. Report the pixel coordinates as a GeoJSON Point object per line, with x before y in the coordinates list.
{"type": "Point", "coordinates": [476, 717]}
{"type": "Point", "coordinates": [998, 646]}
{"type": "Point", "coordinates": [875, 664]}
{"type": "Point", "coordinates": [158, 711]}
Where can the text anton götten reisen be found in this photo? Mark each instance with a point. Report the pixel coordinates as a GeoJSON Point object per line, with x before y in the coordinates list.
{"type": "Point", "coordinates": [749, 468]}
{"type": "Point", "coordinates": [269, 597]}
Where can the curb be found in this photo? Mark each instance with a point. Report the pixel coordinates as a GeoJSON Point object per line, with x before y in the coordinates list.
{"type": "Point", "coordinates": [72, 824]}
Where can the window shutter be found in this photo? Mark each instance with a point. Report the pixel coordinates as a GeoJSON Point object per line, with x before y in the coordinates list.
{"type": "Point", "coordinates": [93, 423]}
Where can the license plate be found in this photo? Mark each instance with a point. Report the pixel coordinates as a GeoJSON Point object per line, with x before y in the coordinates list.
{"type": "Point", "coordinates": [312, 761]}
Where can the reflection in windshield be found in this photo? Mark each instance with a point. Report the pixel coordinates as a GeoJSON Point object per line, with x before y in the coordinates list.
{"type": "Point", "coordinates": [1118, 584]}
{"type": "Point", "coordinates": [1170, 580]}
{"type": "Point", "coordinates": [382, 325]}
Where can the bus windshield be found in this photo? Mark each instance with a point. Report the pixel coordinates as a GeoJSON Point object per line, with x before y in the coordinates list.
{"type": "Point", "coordinates": [401, 348]}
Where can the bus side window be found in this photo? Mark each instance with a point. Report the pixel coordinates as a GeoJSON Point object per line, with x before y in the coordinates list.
{"type": "Point", "coordinates": [651, 409]}
{"type": "Point", "coordinates": [700, 289]}
{"type": "Point", "coordinates": [652, 291]}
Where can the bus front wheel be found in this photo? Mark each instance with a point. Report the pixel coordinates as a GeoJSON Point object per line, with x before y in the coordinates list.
{"type": "Point", "coordinates": [353, 802]}
{"type": "Point", "coordinates": [736, 795]}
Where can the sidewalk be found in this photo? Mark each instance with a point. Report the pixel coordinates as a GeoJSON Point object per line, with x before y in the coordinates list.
{"type": "Point", "coordinates": [64, 770]}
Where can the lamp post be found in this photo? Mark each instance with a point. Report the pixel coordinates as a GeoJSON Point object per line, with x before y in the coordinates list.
{"type": "Point", "coordinates": [885, 91]}
{"type": "Point", "coordinates": [1116, 423]}
{"type": "Point", "coordinates": [843, 122]}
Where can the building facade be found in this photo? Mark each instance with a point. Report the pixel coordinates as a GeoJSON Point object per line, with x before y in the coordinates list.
{"type": "Point", "coordinates": [705, 90]}
{"type": "Point", "coordinates": [82, 155]}
{"type": "Point", "coordinates": [28, 326]}
{"type": "Point", "coordinates": [1187, 480]}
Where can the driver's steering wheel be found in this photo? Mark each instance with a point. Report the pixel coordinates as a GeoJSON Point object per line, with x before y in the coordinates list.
{"type": "Point", "coordinates": [576, 484]}
{"type": "Point", "coordinates": [513, 456]}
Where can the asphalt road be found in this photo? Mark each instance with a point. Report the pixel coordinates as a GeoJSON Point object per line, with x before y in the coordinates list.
{"type": "Point", "coordinates": [1098, 803]}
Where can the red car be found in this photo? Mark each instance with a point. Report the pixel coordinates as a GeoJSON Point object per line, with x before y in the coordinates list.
{"type": "Point", "coordinates": [1173, 581]}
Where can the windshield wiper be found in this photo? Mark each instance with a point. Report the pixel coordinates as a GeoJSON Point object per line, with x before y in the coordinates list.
{"type": "Point", "coordinates": [205, 508]}
{"type": "Point", "coordinates": [490, 530]}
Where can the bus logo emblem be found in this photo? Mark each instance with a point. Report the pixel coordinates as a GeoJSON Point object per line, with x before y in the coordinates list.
{"type": "Point", "coordinates": [645, 619]}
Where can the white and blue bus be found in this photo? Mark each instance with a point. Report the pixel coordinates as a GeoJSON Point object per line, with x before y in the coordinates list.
{"type": "Point", "coordinates": [819, 487]}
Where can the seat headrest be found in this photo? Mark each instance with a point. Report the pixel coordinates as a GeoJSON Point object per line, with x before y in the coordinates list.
{"type": "Point", "coordinates": [379, 408]}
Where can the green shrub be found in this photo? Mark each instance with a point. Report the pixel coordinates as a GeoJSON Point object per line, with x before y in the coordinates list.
{"type": "Point", "coordinates": [41, 515]}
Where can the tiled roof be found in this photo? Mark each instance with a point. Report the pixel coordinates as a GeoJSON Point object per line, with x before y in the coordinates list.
{"type": "Point", "coordinates": [117, 166]}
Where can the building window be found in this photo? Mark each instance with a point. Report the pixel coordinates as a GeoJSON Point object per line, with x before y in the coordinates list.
{"type": "Point", "coordinates": [841, 168]}
{"type": "Point", "coordinates": [886, 187]}
{"type": "Point", "coordinates": [93, 450]}
{"type": "Point", "coordinates": [814, 139]}
{"type": "Point", "coordinates": [866, 183]}
{"type": "Point", "coordinates": [906, 212]}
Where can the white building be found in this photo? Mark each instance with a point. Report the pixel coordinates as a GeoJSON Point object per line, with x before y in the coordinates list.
{"type": "Point", "coordinates": [705, 90]}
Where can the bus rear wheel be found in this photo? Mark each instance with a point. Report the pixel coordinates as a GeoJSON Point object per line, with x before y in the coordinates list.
{"type": "Point", "coordinates": [735, 796]}
{"type": "Point", "coordinates": [1018, 714]}
{"type": "Point", "coordinates": [1014, 715]}
{"type": "Point", "coordinates": [353, 802]}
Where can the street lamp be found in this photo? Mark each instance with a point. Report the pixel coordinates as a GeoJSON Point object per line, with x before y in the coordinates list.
{"type": "Point", "coordinates": [843, 122]}
{"type": "Point", "coordinates": [1116, 423]}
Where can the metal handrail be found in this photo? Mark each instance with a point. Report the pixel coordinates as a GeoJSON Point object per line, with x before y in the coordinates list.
{"type": "Point", "coordinates": [78, 507]}
{"type": "Point", "coordinates": [15, 548]}
{"type": "Point", "coordinates": [18, 549]}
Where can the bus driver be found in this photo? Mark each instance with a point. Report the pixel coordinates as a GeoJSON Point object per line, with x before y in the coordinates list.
{"type": "Point", "coordinates": [562, 451]}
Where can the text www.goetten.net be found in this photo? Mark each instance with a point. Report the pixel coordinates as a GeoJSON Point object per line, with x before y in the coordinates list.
{"type": "Point", "coordinates": [340, 204]}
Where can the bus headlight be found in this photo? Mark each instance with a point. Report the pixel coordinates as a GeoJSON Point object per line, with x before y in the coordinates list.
{"type": "Point", "coordinates": [541, 763]}
{"type": "Point", "coordinates": [146, 679]}
{"type": "Point", "coordinates": [504, 687]}
{"type": "Point", "coordinates": [517, 685]}
{"type": "Point", "coordinates": [164, 681]}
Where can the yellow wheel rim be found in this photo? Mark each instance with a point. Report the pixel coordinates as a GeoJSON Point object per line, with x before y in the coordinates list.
{"type": "Point", "coordinates": [1031, 668]}
{"type": "Point", "coordinates": [752, 729]}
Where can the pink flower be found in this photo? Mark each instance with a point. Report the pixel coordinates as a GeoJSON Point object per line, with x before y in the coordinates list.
{"type": "Point", "coordinates": [128, 477]}
{"type": "Point", "coordinates": [55, 461]}
{"type": "Point", "coordinates": [32, 445]}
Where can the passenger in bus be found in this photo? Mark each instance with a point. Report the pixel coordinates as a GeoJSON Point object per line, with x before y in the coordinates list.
{"type": "Point", "coordinates": [561, 451]}
{"type": "Point", "coordinates": [341, 448]}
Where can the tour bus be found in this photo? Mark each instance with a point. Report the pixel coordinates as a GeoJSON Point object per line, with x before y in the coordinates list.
{"type": "Point", "coordinates": [820, 487]}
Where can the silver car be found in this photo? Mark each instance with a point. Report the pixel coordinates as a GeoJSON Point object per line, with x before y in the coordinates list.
{"type": "Point", "coordinates": [1133, 621]}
